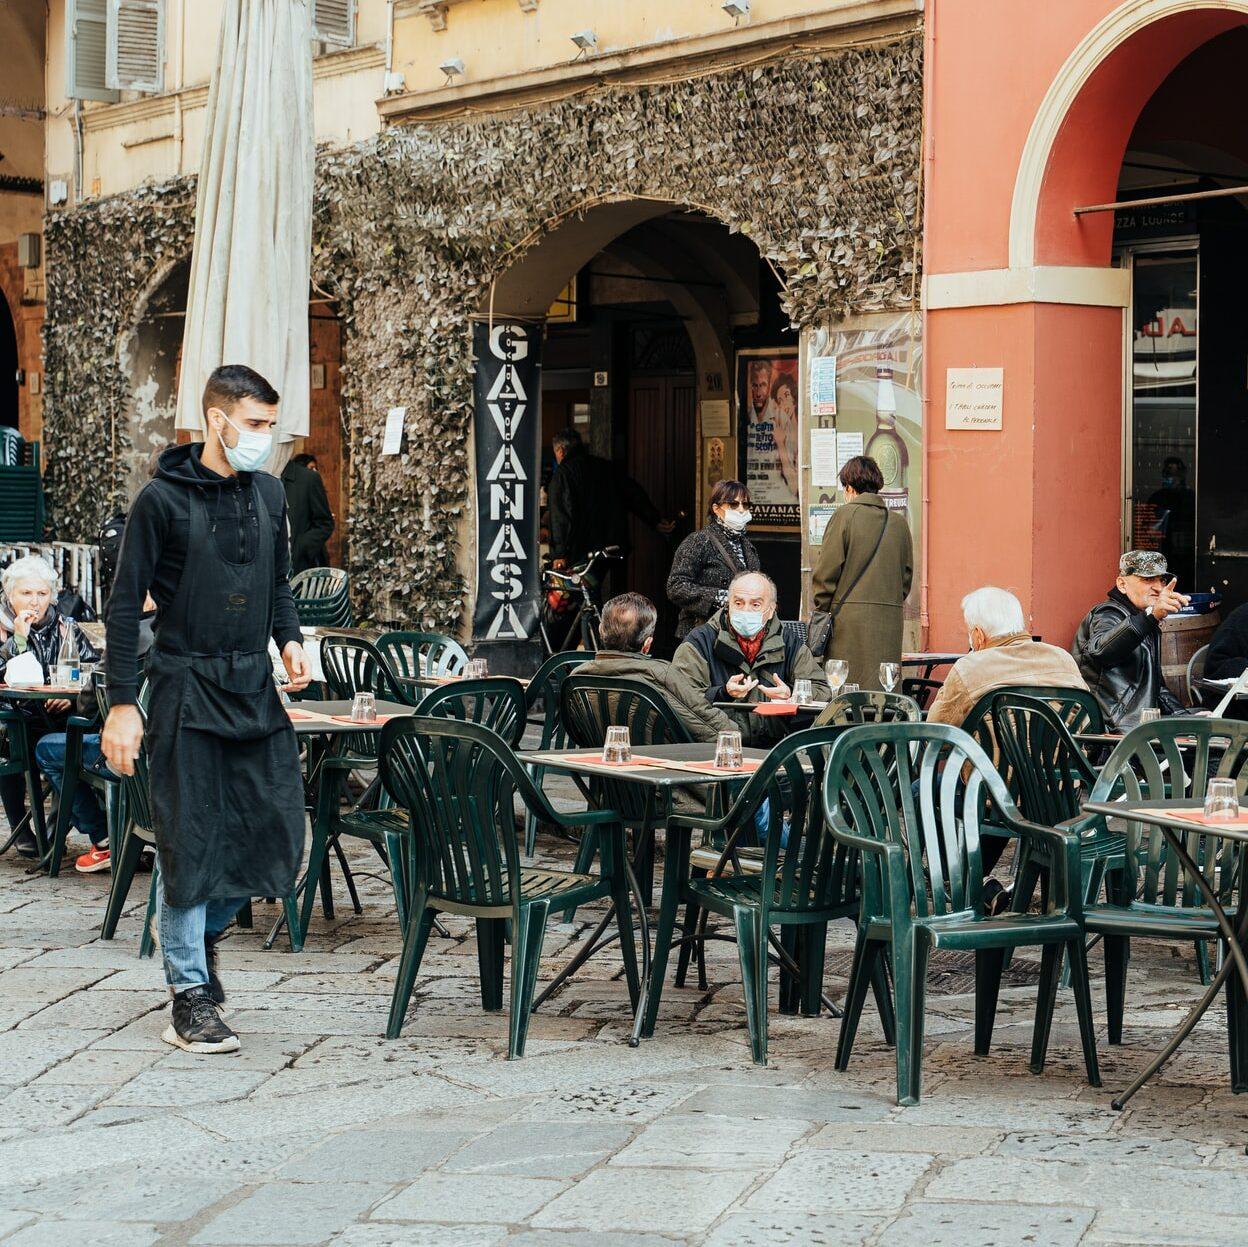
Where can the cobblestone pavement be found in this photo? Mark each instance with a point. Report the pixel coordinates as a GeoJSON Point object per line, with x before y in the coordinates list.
{"type": "Point", "coordinates": [321, 1131]}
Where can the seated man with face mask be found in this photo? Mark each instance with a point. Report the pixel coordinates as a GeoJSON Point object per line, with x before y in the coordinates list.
{"type": "Point", "coordinates": [742, 654]}
{"type": "Point", "coordinates": [627, 632]}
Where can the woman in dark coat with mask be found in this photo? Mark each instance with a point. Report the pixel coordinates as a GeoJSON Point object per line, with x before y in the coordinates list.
{"type": "Point", "coordinates": [706, 561]}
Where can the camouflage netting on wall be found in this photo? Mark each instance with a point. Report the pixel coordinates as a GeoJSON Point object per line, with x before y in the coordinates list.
{"type": "Point", "coordinates": [816, 158]}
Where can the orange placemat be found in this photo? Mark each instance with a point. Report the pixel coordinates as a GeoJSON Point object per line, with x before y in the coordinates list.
{"type": "Point", "coordinates": [775, 709]}
{"type": "Point", "coordinates": [306, 716]}
{"type": "Point", "coordinates": [1206, 820]}
{"type": "Point", "coordinates": [748, 767]}
{"type": "Point", "coordinates": [636, 760]}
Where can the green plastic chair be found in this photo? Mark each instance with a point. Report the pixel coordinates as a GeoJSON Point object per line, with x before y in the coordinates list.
{"type": "Point", "coordinates": [542, 710]}
{"type": "Point", "coordinates": [20, 760]}
{"type": "Point", "coordinates": [869, 707]}
{"type": "Point", "coordinates": [805, 881]}
{"type": "Point", "coordinates": [1152, 896]}
{"type": "Point", "coordinates": [909, 797]}
{"type": "Point", "coordinates": [495, 703]}
{"type": "Point", "coordinates": [588, 705]}
{"type": "Point", "coordinates": [442, 655]}
{"type": "Point", "coordinates": [322, 597]}
{"type": "Point", "coordinates": [105, 783]}
{"type": "Point", "coordinates": [459, 782]}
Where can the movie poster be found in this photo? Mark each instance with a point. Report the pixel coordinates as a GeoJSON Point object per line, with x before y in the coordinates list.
{"type": "Point", "coordinates": [767, 404]}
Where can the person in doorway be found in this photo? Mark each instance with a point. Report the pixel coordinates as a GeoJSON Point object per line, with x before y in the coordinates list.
{"type": "Point", "coordinates": [31, 624]}
{"type": "Point", "coordinates": [863, 575]}
{"type": "Point", "coordinates": [1003, 655]}
{"type": "Point", "coordinates": [1118, 645]}
{"type": "Point", "coordinates": [706, 561]}
{"type": "Point", "coordinates": [1175, 507]}
{"type": "Point", "coordinates": [590, 502]}
{"type": "Point", "coordinates": [208, 536]}
{"type": "Point", "coordinates": [309, 513]}
{"type": "Point", "coordinates": [627, 632]}
{"type": "Point", "coordinates": [742, 653]}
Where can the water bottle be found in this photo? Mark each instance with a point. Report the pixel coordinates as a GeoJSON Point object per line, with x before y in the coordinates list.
{"type": "Point", "coordinates": [68, 669]}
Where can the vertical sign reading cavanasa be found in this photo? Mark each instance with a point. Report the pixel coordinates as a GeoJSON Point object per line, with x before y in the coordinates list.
{"type": "Point", "coordinates": [507, 425]}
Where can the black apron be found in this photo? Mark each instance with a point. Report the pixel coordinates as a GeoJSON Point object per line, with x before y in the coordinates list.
{"type": "Point", "coordinates": [226, 786]}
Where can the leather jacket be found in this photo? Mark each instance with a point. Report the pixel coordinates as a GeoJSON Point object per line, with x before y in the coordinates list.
{"type": "Point", "coordinates": [1118, 649]}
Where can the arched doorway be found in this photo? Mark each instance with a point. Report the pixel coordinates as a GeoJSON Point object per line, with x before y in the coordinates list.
{"type": "Point", "coordinates": [151, 357]}
{"type": "Point", "coordinates": [647, 311]}
{"type": "Point", "coordinates": [9, 363]}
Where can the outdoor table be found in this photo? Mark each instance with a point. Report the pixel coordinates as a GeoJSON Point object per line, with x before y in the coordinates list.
{"type": "Point", "coordinates": [929, 661]}
{"type": "Point", "coordinates": [34, 788]}
{"type": "Point", "coordinates": [803, 716]}
{"type": "Point", "coordinates": [673, 770]}
{"type": "Point", "coordinates": [1162, 814]}
{"type": "Point", "coordinates": [323, 719]}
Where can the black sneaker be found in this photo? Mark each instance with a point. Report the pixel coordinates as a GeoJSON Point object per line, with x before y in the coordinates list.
{"type": "Point", "coordinates": [215, 990]}
{"type": "Point", "coordinates": [197, 1024]}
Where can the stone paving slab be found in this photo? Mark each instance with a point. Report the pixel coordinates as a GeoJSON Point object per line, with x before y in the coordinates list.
{"type": "Point", "coordinates": [322, 1131]}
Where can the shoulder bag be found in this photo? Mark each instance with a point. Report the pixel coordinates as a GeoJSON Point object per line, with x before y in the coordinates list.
{"type": "Point", "coordinates": [823, 623]}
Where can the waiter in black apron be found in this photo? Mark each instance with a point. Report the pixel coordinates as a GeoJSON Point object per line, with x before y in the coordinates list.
{"type": "Point", "coordinates": [208, 536]}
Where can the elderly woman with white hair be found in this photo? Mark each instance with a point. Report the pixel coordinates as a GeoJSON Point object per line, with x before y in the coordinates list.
{"type": "Point", "coordinates": [32, 624]}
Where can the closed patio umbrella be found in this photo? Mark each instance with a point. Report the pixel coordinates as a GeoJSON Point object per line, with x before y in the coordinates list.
{"type": "Point", "coordinates": [248, 298]}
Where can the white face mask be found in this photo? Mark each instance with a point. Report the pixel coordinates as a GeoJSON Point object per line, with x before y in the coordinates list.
{"type": "Point", "coordinates": [736, 521]}
{"type": "Point", "coordinates": [252, 451]}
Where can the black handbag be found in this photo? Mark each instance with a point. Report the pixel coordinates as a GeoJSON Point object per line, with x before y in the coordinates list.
{"type": "Point", "coordinates": [823, 623]}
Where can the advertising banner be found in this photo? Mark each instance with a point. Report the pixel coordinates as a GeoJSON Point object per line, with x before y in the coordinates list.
{"type": "Point", "coordinates": [767, 414]}
{"type": "Point", "coordinates": [507, 427]}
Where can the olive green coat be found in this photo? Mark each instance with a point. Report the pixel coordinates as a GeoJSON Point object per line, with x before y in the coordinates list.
{"type": "Point", "coordinates": [868, 626]}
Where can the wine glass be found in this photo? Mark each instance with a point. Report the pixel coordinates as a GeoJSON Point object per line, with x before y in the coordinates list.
{"type": "Point", "coordinates": [890, 673]}
{"type": "Point", "coordinates": [837, 671]}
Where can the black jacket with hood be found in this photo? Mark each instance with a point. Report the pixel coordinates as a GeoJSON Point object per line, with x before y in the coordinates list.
{"type": "Point", "coordinates": [153, 551]}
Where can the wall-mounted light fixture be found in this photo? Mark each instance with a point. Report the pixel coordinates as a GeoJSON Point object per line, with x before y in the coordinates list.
{"type": "Point", "coordinates": [453, 69]}
{"type": "Point", "coordinates": [736, 9]}
{"type": "Point", "coordinates": [586, 40]}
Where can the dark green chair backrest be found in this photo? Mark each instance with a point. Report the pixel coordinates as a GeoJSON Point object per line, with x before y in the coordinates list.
{"type": "Point", "coordinates": [542, 697]}
{"type": "Point", "coordinates": [1046, 772]}
{"type": "Point", "coordinates": [322, 597]}
{"type": "Point", "coordinates": [808, 869]}
{"type": "Point", "coordinates": [352, 665]}
{"type": "Point", "coordinates": [495, 702]}
{"type": "Point", "coordinates": [1076, 707]}
{"type": "Point", "coordinates": [867, 706]}
{"type": "Point", "coordinates": [135, 787]}
{"type": "Point", "coordinates": [922, 787]}
{"type": "Point", "coordinates": [443, 655]}
{"type": "Point", "coordinates": [458, 781]}
{"type": "Point", "coordinates": [1169, 760]}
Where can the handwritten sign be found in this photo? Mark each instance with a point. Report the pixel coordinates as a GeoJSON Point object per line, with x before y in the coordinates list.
{"type": "Point", "coordinates": [973, 398]}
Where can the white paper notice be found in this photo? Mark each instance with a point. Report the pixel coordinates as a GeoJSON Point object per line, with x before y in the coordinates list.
{"type": "Point", "coordinates": [823, 464]}
{"type": "Point", "coordinates": [394, 431]}
{"type": "Point", "coordinates": [848, 445]}
{"type": "Point", "coordinates": [716, 418]}
{"type": "Point", "coordinates": [823, 386]}
{"type": "Point", "coordinates": [973, 398]}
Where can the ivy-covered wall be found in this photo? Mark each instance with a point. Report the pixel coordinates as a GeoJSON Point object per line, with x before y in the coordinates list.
{"type": "Point", "coordinates": [816, 158]}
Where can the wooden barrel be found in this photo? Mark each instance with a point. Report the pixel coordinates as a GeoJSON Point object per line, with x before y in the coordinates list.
{"type": "Point", "coordinates": [1181, 637]}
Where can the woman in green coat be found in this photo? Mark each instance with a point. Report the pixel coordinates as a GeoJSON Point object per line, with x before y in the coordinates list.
{"type": "Point", "coordinates": [868, 622]}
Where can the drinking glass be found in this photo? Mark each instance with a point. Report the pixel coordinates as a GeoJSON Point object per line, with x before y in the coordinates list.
{"type": "Point", "coordinates": [1150, 714]}
{"type": "Point", "coordinates": [618, 747]}
{"type": "Point", "coordinates": [837, 670]}
{"type": "Point", "coordinates": [803, 695]}
{"type": "Point", "coordinates": [1221, 800]}
{"type": "Point", "coordinates": [477, 669]}
{"type": "Point", "coordinates": [364, 708]}
{"type": "Point", "coordinates": [728, 755]}
{"type": "Point", "coordinates": [890, 673]}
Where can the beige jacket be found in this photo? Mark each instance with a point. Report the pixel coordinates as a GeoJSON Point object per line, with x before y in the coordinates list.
{"type": "Point", "coordinates": [1005, 662]}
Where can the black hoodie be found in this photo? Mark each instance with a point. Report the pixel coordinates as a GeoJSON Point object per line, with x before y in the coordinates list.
{"type": "Point", "coordinates": [153, 551]}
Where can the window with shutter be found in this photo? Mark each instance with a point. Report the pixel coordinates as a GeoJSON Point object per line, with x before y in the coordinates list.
{"type": "Point", "coordinates": [136, 44]}
{"type": "Point", "coordinates": [86, 52]}
{"type": "Point", "coordinates": [335, 22]}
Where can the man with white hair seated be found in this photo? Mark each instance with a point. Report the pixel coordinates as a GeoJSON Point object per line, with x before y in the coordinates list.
{"type": "Point", "coordinates": [1003, 655]}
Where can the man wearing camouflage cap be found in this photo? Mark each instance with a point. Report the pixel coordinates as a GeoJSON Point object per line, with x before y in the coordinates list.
{"type": "Point", "coordinates": [1118, 645]}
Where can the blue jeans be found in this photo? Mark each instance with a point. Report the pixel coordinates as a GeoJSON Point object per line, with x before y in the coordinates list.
{"type": "Point", "coordinates": [182, 933]}
{"type": "Point", "coordinates": [87, 814]}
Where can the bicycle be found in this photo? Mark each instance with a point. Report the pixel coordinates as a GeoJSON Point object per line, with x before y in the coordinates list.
{"type": "Point", "coordinates": [583, 584]}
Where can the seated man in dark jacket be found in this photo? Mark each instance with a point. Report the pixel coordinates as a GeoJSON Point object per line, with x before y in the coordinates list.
{"type": "Point", "coordinates": [1228, 651]}
{"type": "Point", "coordinates": [741, 653]}
{"type": "Point", "coordinates": [627, 631]}
{"type": "Point", "coordinates": [1118, 645]}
